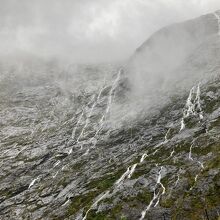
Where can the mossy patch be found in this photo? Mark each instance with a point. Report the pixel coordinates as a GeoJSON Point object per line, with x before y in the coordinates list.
{"type": "Point", "coordinates": [114, 213]}
{"type": "Point", "coordinates": [81, 201]}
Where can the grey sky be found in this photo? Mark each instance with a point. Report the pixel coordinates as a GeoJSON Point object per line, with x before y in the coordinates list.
{"type": "Point", "coordinates": [89, 30]}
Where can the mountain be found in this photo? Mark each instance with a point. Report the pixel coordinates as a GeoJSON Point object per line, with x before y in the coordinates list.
{"type": "Point", "coordinates": [179, 54]}
{"type": "Point", "coordinates": [105, 142]}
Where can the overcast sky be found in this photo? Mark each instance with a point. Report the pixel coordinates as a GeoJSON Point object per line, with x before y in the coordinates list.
{"type": "Point", "coordinates": [89, 30]}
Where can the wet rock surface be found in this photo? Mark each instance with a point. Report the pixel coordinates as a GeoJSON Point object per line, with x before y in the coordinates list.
{"type": "Point", "coordinates": [50, 170]}
{"type": "Point", "coordinates": [66, 154]}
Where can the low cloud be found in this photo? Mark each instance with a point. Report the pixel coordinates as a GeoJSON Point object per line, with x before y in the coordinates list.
{"type": "Point", "coordinates": [89, 30]}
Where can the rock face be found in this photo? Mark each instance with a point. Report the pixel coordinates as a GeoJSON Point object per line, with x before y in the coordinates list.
{"type": "Point", "coordinates": [64, 157]}
{"type": "Point", "coordinates": [183, 52]}
{"type": "Point", "coordinates": [177, 41]}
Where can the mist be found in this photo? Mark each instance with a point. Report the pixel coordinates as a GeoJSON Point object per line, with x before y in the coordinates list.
{"type": "Point", "coordinates": [49, 40]}
{"type": "Point", "coordinates": [88, 31]}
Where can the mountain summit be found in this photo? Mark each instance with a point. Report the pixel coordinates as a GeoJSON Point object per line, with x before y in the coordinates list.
{"type": "Point", "coordinates": [179, 54]}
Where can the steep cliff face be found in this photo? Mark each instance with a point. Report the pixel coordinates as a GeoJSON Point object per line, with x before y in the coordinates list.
{"type": "Point", "coordinates": [63, 156]}
{"type": "Point", "coordinates": [176, 53]}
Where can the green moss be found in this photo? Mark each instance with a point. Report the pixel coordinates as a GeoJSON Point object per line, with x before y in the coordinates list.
{"type": "Point", "coordinates": [141, 170]}
{"type": "Point", "coordinates": [213, 198]}
{"type": "Point", "coordinates": [191, 180]}
{"type": "Point", "coordinates": [102, 184]}
{"type": "Point", "coordinates": [167, 203]}
{"type": "Point", "coordinates": [97, 216]}
{"type": "Point", "coordinates": [166, 179]}
{"type": "Point", "coordinates": [144, 197]}
{"type": "Point", "coordinates": [114, 213]}
{"type": "Point", "coordinates": [191, 121]}
{"type": "Point", "coordinates": [215, 123]}
{"type": "Point", "coordinates": [210, 105]}
{"type": "Point", "coordinates": [198, 202]}
{"type": "Point", "coordinates": [77, 166]}
{"type": "Point", "coordinates": [11, 192]}
{"type": "Point", "coordinates": [182, 147]}
{"type": "Point", "coordinates": [96, 186]}
{"type": "Point", "coordinates": [63, 182]}
{"type": "Point", "coordinates": [105, 182]}
{"type": "Point", "coordinates": [201, 150]}
{"type": "Point", "coordinates": [82, 201]}
{"type": "Point", "coordinates": [214, 163]}
{"type": "Point", "coordinates": [6, 193]}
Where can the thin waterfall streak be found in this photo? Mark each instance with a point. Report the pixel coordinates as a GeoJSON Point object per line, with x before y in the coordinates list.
{"type": "Point", "coordinates": [192, 106]}
{"type": "Point", "coordinates": [156, 196]}
{"type": "Point", "coordinates": [218, 20]}
{"type": "Point", "coordinates": [101, 122]}
{"type": "Point", "coordinates": [95, 204]}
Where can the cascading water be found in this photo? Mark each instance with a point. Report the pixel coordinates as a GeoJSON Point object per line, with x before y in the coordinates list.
{"type": "Point", "coordinates": [156, 196]}
{"type": "Point", "coordinates": [192, 106]}
{"type": "Point", "coordinates": [217, 16]}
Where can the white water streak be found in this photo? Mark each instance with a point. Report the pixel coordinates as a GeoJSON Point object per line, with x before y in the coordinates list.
{"type": "Point", "coordinates": [196, 177]}
{"type": "Point", "coordinates": [183, 126]}
{"type": "Point", "coordinates": [201, 164]}
{"type": "Point", "coordinates": [87, 121]}
{"type": "Point", "coordinates": [57, 163]}
{"type": "Point", "coordinates": [171, 154]}
{"type": "Point", "coordinates": [78, 122]}
{"type": "Point", "coordinates": [143, 157]}
{"type": "Point", "coordinates": [132, 170]}
{"type": "Point", "coordinates": [95, 204]}
{"type": "Point", "coordinates": [190, 153]}
{"type": "Point", "coordinates": [192, 106]}
{"type": "Point", "coordinates": [124, 175]}
{"type": "Point", "coordinates": [66, 202]}
{"type": "Point", "coordinates": [218, 20]}
{"type": "Point", "coordinates": [55, 174]}
{"type": "Point", "coordinates": [195, 180]}
{"type": "Point", "coordinates": [173, 151]}
{"type": "Point", "coordinates": [107, 111]}
{"type": "Point", "coordinates": [156, 196]}
{"type": "Point", "coordinates": [177, 181]}
{"type": "Point", "coordinates": [90, 114]}
{"type": "Point", "coordinates": [110, 99]}
{"type": "Point", "coordinates": [166, 136]}
{"type": "Point", "coordinates": [33, 182]}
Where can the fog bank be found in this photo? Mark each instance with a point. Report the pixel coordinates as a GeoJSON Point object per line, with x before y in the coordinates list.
{"type": "Point", "coordinates": [88, 31]}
